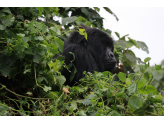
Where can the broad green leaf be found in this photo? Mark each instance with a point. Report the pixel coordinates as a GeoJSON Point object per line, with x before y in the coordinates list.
{"type": "Point", "coordinates": [68, 20]}
{"type": "Point", "coordinates": [148, 89]}
{"type": "Point", "coordinates": [59, 43]}
{"type": "Point", "coordinates": [122, 76]}
{"type": "Point", "coordinates": [41, 9]}
{"type": "Point", "coordinates": [158, 75]}
{"type": "Point", "coordinates": [74, 105]}
{"type": "Point", "coordinates": [60, 80]}
{"type": "Point", "coordinates": [55, 30]}
{"type": "Point", "coordinates": [143, 46]}
{"type": "Point", "coordinates": [39, 38]}
{"type": "Point", "coordinates": [86, 102]}
{"type": "Point", "coordinates": [135, 103]}
{"type": "Point", "coordinates": [132, 88]}
{"type": "Point", "coordinates": [128, 81]}
{"type": "Point", "coordinates": [158, 67]}
{"type": "Point", "coordinates": [130, 56]}
{"type": "Point", "coordinates": [114, 113]}
{"type": "Point", "coordinates": [6, 10]}
{"type": "Point", "coordinates": [147, 59]}
{"type": "Point", "coordinates": [84, 10]}
{"type": "Point", "coordinates": [52, 95]}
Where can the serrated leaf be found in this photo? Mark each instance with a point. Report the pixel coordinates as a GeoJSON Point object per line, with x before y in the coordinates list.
{"type": "Point", "coordinates": [134, 103]}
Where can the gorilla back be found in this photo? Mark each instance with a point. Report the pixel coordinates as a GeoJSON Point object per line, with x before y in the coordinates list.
{"type": "Point", "coordinates": [96, 54]}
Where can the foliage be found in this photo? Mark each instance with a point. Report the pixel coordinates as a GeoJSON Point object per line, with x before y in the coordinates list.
{"type": "Point", "coordinates": [31, 41]}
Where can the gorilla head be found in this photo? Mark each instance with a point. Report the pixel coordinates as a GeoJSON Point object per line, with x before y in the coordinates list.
{"type": "Point", "coordinates": [93, 54]}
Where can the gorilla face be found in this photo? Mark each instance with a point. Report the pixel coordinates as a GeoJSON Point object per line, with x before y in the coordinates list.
{"type": "Point", "coordinates": [94, 54]}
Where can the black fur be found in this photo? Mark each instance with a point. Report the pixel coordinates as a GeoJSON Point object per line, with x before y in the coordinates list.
{"type": "Point", "coordinates": [96, 54]}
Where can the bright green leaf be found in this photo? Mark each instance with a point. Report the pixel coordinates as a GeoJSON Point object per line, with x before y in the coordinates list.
{"type": "Point", "coordinates": [135, 103]}
{"type": "Point", "coordinates": [122, 76]}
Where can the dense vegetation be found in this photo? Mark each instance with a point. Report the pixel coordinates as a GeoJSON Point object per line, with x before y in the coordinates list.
{"type": "Point", "coordinates": [30, 78]}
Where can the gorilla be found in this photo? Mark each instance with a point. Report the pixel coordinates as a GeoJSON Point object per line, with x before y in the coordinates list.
{"type": "Point", "coordinates": [93, 54]}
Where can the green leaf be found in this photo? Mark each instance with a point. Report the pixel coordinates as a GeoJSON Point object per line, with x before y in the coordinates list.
{"type": "Point", "coordinates": [68, 20]}
{"type": "Point", "coordinates": [86, 102]}
{"type": "Point", "coordinates": [158, 75]}
{"type": "Point", "coordinates": [158, 67]}
{"type": "Point", "coordinates": [59, 43]}
{"type": "Point", "coordinates": [6, 10]}
{"type": "Point", "coordinates": [84, 10]}
{"type": "Point", "coordinates": [130, 56]}
{"type": "Point", "coordinates": [52, 95]}
{"type": "Point", "coordinates": [41, 9]}
{"type": "Point", "coordinates": [46, 88]}
{"type": "Point", "coordinates": [108, 10]}
{"type": "Point", "coordinates": [39, 38]}
{"type": "Point", "coordinates": [135, 103]}
{"type": "Point", "coordinates": [147, 59]}
{"type": "Point", "coordinates": [74, 105]}
{"type": "Point", "coordinates": [97, 9]}
{"type": "Point", "coordinates": [66, 8]}
{"type": "Point", "coordinates": [60, 80]}
{"type": "Point", "coordinates": [114, 113]}
{"type": "Point", "coordinates": [132, 88]}
{"type": "Point", "coordinates": [73, 72]}
{"type": "Point", "coordinates": [128, 81]}
{"type": "Point", "coordinates": [55, 30]}
{"type": "Point", "coordinates": [2, 27]}
{"type": "Point", "coordinates": [7, 20]}
{"type": "Point", "coordinates": [122, 76]}
{"type": "Point", "coordinates": [5, 63]}
{"type": "Point", "coordinates": [117, 34]}
{"type": "Point", "coordinates": [143, 46]}
{"type": "Point", "coordinates": [148, 89]}
{"type": "Point", "coordinates": [83, 32]}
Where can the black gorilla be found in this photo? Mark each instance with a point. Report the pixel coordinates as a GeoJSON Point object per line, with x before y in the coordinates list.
{"type": "Point", "coordinates": [96, 54]}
